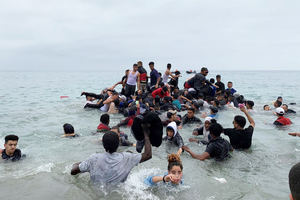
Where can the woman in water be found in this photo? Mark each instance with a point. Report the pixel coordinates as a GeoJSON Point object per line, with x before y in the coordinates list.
{"type": "Point", "coordinates": [174, 175]}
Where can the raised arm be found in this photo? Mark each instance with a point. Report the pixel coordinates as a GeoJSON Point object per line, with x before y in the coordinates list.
{"type": "Point", "coordinates": [251, 121]}
{"type": "Point", "coordinates": [147, 149]}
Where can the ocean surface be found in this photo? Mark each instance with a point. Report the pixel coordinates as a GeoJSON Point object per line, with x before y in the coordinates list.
{"type": "Point", "coordinates": [31, 108]}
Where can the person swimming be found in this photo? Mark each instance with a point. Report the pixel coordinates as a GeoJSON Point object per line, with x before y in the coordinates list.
{"type": "Point", "coordinates": [69, 131]}
{"type": "Point", "coordinates": [11, 152]}
{"type": "Point", "coordinates": [174, 174]}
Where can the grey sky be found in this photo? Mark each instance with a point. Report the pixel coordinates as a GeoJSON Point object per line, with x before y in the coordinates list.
{"type": "Point", "coordinates": [98, 34]}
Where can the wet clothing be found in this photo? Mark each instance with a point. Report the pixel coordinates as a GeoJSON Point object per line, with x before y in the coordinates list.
{"type": "Point", "coordinates": [177, 103]}
{"type": "Point", "coordinates": [232, 91]}
{"type": "Point", "coordinates": [240, 139]}
{"type": "Point", "coordinates": [148, 181]}
{"type": "Point", "coordinates": [290, 111]}
{"type": "Point", "coordinates": [103, 127]}
{"type": "Point", "coordinates": [176, 139]}
{"type": "Point", "coordinates": [124, 140]}
{"type": "Point", "coordinates": [15, 157]}
{"type": "Point", "coordinates": [186, 120]}
{"type": "Point", "coordinates": [221, 86]}
{"type": "Point", "coordinates": [165, 78]}
{"type": "Point", "coordinates": [158, 92]}
{"type": "Point", "coordinates": [218, 148]}
{"type": "Point", "coordinates": [153, 77]}
{"type": "Point", "coordinates": [110, 168]}
{"type": "Point", "coordinates": [205, 133]}
{"type": "Point", "coordinates": [129, 90]}
{"type": "Point", "coordinates": [282, 121]}
{"type": "Point", "coordinates": [132, 78]}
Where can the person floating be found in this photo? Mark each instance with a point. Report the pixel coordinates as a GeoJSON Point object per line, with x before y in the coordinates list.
{"type": "Point", "coordinates": [69, 131]}
{"type": "Point", "coordinates": [281, 120]}
{"type": "Point", "coordinates": [10, 151]}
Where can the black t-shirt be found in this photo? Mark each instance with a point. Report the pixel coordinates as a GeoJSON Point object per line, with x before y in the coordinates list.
{"type": "Point", "coordinates": [218, 148]}
{"type": "Point", "coordinates": [186, 120]}
{"type": "Point", "coordinates": [16, 156]}
{"type": "Point", "coordinates": [221, 86]}
{"type": "Point", "coordinates": [240, 139]}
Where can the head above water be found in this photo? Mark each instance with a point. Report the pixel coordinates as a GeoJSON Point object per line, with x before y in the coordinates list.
{"type": "Point", "coordinates": [110, 141]}
{"type": "Point", "coordinates": [229, 84]}
{"type": "Point", "coordinates": [239, 122]}
{"type": "Point", "coordinates": [11, 142]}
{"type": "Point", "coordinates": [175, 168]}
{"type": "Point", "coordinates": [249, 104]}
{"type": "Point", "coordinates": [190, 112]}
{"type": "Point", "coordinates": [267, 107]}
{"type": "Point", "coordinates": [294, 181]}
{"type": "Point", "coordinates": [104, 119]}
{"type": "Point", "coordinates": [277, 104]}
{"type": "Point", "coordinates": [68, 129]}
{"type": "Point", "coordinates": [215, 129]}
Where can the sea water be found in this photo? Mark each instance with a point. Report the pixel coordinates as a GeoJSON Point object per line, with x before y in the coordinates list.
{"type": "Point", "coordinates": [31, 108]}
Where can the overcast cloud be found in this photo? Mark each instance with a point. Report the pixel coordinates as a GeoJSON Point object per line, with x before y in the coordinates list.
{"type": "Point", "coordinates": [99, 34]}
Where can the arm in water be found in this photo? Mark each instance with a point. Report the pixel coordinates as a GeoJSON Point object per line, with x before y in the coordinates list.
{"type": "Point", "coordinates": [75, 169]}
{"type": "Point", "coordinates": [201, 157]}
{"type": "Point", "coordinates": [147, 149]}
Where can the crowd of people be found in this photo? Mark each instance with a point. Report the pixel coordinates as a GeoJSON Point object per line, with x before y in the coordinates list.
{"type": "Point", "coordinates": [151, 101]}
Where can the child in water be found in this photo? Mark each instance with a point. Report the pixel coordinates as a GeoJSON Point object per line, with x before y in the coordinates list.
{"type": "Point", "coordinates": [174, 137]}
{"type": "Point", "coordinates": [174, 175]}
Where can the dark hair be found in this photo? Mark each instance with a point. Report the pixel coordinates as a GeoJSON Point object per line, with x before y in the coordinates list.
{"type": "Point", "coordinates": [229, 82]}
{"type": "Point", "coordinates": [175, 96]}
{"type": "Point", "coordinates": [294, 181]}
{"type": "Point", "coordinates": [110, 141]}
{"type": "Point", "coordinates": [68, 128]}
{"type": "Point", "coordinates": [117, 102]}
{"type": "Point", "coordinates": [280, 97]}
{"type": "Point", "coordinates": [151, 63]}
{"type": "Point", "coordinates": [191, 109]}
{"type": "Point", "coordinates": [250, 103]}
{"type": "Point", "coordinates": [203, 69]}
{"type": "Point", "coordinates": [104, 119]}
{"type": "Point", "coordinates": [265, 106]}
{"type": "Point", "coordinates": [279, 103]}
{"type": "Point", "coordinates": [170, 129]}
{"type": "Point", "coordinates": [174, 160]}
{"type": "Point", "coordinates": [218, 76]}
{"type": "Point", "coordinates": [169, 65]}
{"type": "Point", "coordinates": [240, 120]}
{"type": "Point", "coordinates": [165, 88]}
{"type": "Point", "coordinates": [285, 105]}
{"type": "Point", "coordinates": [11, 137]}
{"type": "Point", "coordinates": [127, 70]}
{"type": "Point", "coordinates": [215, 129]}
{"type": "Point", "coordinates": [212, 80]}
{"type": "Point", "coordinates": [135, 65]}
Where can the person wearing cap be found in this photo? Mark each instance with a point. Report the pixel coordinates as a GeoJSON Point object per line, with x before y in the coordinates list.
{"type": "Point", "coordinates": [241, 138]}
{"type": "Point", "coordinates": [204, 130]}
{"type": "Point", "coordinates": [281, 120]}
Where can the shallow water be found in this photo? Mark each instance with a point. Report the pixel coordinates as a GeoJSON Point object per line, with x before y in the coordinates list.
{"type": "Point", "coordinates": [31, 108]}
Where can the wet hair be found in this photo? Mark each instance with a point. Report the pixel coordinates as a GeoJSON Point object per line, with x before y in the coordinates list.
{"type": "Point", "coordinates": [215, 129]}
{"type": "Point", "coordinates": [165, 88]}
{"type": "Point", "coordinates": [218, 76]}
{"type": "Point", "coordinates": [279, 103]}
{"type": "Point", "coordinates": [294, 181]}
{"type": "Point", "coordinates": [174, 160]}
{"type": "Point", "coordinates": [169, 65]}
{"type": "Point", "coordinates": [104, 119]}
{"type": "Point", "coordinates": [68, 128]}
{"type": "Point", "coordinates": [250, 103]}
{"type": "Point", "coordinates": [285, 105]}
{"type": "Point", "coordinates": [110, 141]}
{"type": "Point", "coordinates": [169, 129]}
{"type": "Point", "coordinates": [11, 137]}
{"type": "Point", "coordinates": [240, 120]}
{"type": "Point", "coordinates": [175, 96]}
{"type": "Point", "coordinates": [117, 102]}
{"type": "Point", "coordinates": [279, 97]}
{"type": "Point", "coordinates": [192, 109]}
{"type": "Point", "coordinates": [213, 121]}
{"type": "Point", "coordinates": [265, 106]}
{"type": "Point", "coordinates": [151, 63]}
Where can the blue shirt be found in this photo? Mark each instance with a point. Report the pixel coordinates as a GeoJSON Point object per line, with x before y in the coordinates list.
{"type": "Point", "coordinates": [232, 91]}
{"type": "Point", "coordinates": [153, 77]}
{"type": "Point", "coordinates": [177, 103]}
{"type": "Point", "coordinates": [148, 181]}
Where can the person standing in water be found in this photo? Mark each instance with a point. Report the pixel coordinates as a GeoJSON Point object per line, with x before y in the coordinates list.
{"type": "Point", "coordinates": [143, 76]}
{"type": "Point", "coordinates": [174, 175]}
{"type": "Point", "coordinates": [154, 77]}
{"type": "Point", "coordinates": [167, 74]}
{"type": "Point", "coordinates": [133, 79]}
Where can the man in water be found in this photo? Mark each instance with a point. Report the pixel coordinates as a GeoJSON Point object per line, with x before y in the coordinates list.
{"type": "Point", "coordinates": [133, 79]}
{"type": "Point", "coordinates": [287, 110]}
{"type": "Point", "coordinates": [143, 76]}
{"type": "Point", "coordinates": [230, 88]}
{"type": "Point", "coordinates": [154, 76]}
{"type": "Point", "coordinates": [11, 152]}
{"type": "Point", "coordinates": [217, 148]}
{"type": "Point", "coordinates": [113, 167]}
{"type": "Point", "coordinates": [294, 182]}
{"type": "Point", "coordinates": [281, 120]}
{"type": "Point", "coordinates": [190, 117]}
{"type": "Point", "coordinates": [241, 138]}
{"type": "Point", "coordinates": [220, 84]}
{"type": "Point", "coordinates": [167, 74]}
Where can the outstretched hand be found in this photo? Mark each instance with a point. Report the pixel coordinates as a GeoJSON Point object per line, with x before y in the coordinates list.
{"type": "Point", "coordinates": [294, 134]}
{"type": "Point", "coordinates": [186, 148]}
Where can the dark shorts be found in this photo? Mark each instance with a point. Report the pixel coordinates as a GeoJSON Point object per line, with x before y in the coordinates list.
{"type": "Point", "coordinates": [129, 90]}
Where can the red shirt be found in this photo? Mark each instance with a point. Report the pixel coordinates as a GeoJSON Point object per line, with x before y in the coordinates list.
{"type": "Point", "coordinates": [159, 93]}
{"type": "Point", "coordinates": [283, 120]}
{"type": "Point", "coordinates": [103, 127]}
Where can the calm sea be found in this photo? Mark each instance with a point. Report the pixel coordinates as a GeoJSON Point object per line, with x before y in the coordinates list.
{"type": "Point", "coordinates": [31, 108]}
